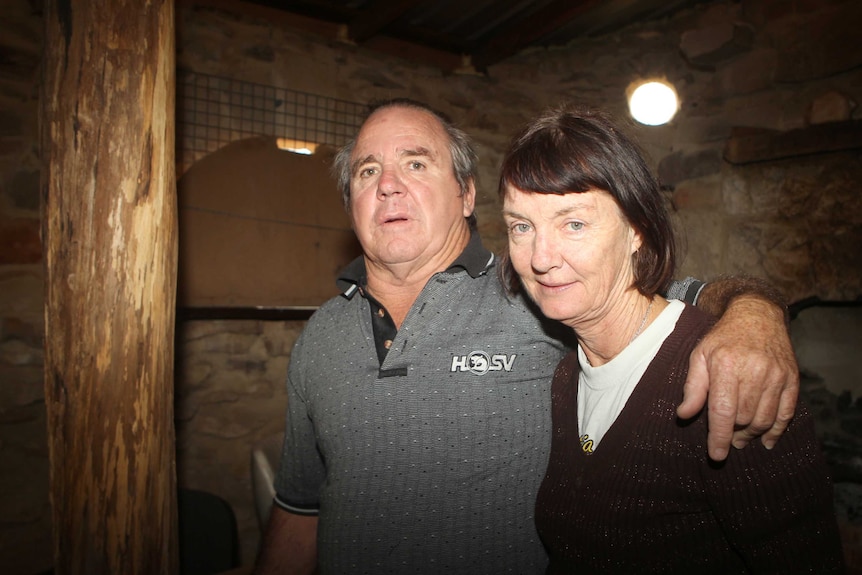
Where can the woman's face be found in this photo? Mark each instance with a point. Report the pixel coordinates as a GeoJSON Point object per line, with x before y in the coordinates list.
{"type": "Point", "coordinates": [573, 252]}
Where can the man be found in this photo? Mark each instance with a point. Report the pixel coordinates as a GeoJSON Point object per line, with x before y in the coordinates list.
{"type": "Point", "coordinates": [418, 400]}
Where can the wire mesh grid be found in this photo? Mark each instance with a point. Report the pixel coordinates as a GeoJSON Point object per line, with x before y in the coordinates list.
{"type": "Point", "coordinates": [214, 111]}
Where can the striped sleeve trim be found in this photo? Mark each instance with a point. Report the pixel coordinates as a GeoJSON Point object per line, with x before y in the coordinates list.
{"type": "Point", "coordinates": [687, 290]}
{"type": "Point", "coordinates": [297, 510]}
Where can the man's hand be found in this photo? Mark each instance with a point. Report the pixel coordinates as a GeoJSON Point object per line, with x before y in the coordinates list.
{"type": "Point", "coordinates": [747, 366]}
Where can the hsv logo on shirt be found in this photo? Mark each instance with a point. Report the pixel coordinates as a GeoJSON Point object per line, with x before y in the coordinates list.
{"type": "Point", "coordinates": [480, 362]}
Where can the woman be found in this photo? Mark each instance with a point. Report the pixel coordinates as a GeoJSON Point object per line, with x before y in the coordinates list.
{"type": "Point", "coordinates": [628, 488]}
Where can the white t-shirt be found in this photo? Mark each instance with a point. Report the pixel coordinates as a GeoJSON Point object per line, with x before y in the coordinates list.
{"type": "Point", "coordinates": [604, 390]}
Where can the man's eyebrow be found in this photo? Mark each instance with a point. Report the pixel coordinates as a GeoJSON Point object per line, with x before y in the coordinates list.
{"type": "Point", "coordinates": [420, 151]}
{"type": "Point", "coordinates": [370, 158]}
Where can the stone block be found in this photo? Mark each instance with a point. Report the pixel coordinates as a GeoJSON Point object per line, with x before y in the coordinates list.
{"type": "Point", "coordinates": [20, 241]}
{"type": "Point", "coordinates": [701, 236]}
{"type": "Point", "coordinates": [18, 329]}
{"type": "Point", "coordinates": [22, 387]}
{"type": "Point", "coordinates": [11, 147]}
{"type": "Point", "coordinates": [262, 52]}
{"type": "Point", "coordinates": [22, 289]}
{"type": "Point", "coordinates": [735, 194]}
{"type": "Point", "coordinates": [833, 106]}
{"type": "Point", "coordinates": [698, 194]}
{"type": "Point", "coordinates": [683, 165]}
{"type": "Point", "coordinates": [749, 73]}
{"type": "Point", "coordinates": [824, 45]}
{"type": "Point", "coordinates": [23, 189]}
{"type": "Point", "coordinates": [17, 352]}
{"type": "Point", "coordinates": [837, 268]}
{"type": "Point", "coordinates": [279, 337]}
{"type": "Point", "coordinates": [699, 130]}
{"type": "Point", "coordinates": [10, 124]}
{"type": "Point", "coordinates": [756, 110]}
{"type": "Point", "coordinates": [230, 341]}
{"type": "Point", "coordinates": [18, 63]}
{"type": "Point", "coordinates": [717, 43]}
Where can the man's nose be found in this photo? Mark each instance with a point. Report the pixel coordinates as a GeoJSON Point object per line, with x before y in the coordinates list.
{"type": "Point", "coordinates": [389, 182]}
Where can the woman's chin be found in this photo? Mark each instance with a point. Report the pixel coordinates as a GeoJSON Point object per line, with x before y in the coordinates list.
{"type": "Point", "coordinates": [556, 313]}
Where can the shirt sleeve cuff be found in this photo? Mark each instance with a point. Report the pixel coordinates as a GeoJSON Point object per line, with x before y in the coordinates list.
{"type": "Point", "coordinates": [686, 290]}
{"type": "Point", "coordinates": [295, 509]}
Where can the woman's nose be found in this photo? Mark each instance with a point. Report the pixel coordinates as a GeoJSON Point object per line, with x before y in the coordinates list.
{"type": "Point", "coordinates": [546, 254]}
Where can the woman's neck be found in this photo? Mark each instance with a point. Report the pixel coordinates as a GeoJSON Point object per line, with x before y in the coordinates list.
{"type": "Point", "coordinates": [603, 338]}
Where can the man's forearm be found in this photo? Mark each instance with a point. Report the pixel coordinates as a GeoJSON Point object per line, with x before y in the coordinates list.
{"type": "Point", "coordinates": [289, 545]}
{"type": "Point", "coordinates": [716, 295]}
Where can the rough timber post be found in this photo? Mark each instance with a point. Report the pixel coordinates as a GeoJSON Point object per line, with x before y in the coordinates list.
{"type": "Point", "coordinates": [109, 229]}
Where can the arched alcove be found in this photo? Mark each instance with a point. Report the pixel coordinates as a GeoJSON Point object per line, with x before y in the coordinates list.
{"type": "Point", "coordinates": [261, 228]}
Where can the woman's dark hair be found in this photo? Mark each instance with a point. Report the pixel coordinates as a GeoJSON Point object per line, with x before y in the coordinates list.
{"type": "Point", "coordinates": [572, 149]}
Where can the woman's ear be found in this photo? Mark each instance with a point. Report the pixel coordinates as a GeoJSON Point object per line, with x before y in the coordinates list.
{"type": "Point", "coordinates": [637, 240]}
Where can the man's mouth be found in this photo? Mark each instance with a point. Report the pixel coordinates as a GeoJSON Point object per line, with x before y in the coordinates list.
{"type": "Point", "coordinates": [394, 219]}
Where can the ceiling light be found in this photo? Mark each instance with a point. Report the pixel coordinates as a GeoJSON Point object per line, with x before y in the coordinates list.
{"type": "Point", "coordinates": [653, 103]}
{"type": "Point", "coordinates": [296, 146]}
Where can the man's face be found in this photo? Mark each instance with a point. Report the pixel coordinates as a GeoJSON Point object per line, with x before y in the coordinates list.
{"type": "Point", "coordinates": [405, 203]}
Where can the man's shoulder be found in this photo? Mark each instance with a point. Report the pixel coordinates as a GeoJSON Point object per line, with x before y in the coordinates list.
{"type": "Point", "coordinates": [335, 309]}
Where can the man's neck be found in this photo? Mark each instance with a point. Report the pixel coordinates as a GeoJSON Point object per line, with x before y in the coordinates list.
{"type": "Point", "coordinates": [396, 287]}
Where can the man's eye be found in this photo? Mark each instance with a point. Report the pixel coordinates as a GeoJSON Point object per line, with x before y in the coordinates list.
{"type": "Point", "coordinates": [365, 172]}
{"type": "Point", "coordinates": [521, 228]}
{"type": "Point", "coordinates": [416, 165]}
{"type": "Point", "coordinates": [576, 226]}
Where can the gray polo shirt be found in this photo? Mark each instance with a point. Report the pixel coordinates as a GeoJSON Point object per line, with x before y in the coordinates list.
{"type": "Point", "coordinates": [429, 460]}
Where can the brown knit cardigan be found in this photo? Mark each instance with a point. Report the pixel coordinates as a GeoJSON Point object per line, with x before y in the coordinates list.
{"type": "Point", "coordinates": [649, 500]}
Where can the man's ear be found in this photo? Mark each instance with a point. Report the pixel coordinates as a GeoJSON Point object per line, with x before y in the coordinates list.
{"type": "Point", "coordinates": [469, 198]}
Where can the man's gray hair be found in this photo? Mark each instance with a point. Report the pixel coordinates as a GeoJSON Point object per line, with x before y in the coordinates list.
{"type": "Point", "coordinates": [464, 158]}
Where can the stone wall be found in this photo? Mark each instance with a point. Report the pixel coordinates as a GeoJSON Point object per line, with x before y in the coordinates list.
{"type": "Point", "coordinates": [25, 528]}
{"type": "Point", "coordinates": [777, 64]}
{"type": "Point", "coordinates": [231, 395]}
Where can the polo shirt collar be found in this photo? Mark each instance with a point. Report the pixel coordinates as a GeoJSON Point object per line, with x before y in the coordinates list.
{"type": "Point", "coordinates": [476, 260]}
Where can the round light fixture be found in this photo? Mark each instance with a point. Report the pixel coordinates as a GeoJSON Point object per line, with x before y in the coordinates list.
{"type": "Point", "coordinates": [653, 103]}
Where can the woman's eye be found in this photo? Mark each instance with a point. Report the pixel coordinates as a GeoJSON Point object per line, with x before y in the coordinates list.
{"type": "Point", "coordinates": [521, 228]}
{"type": "Point", "coordinates": [576, 226]}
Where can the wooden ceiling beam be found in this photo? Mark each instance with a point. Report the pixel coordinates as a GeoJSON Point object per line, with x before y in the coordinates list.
{"type": "Point", "coordinates": [374, 19]}
{"type": "Point", "coordinates": [316, 26]}
{"type": "Point", "coordinates": [525, 31]}
{"type": "Point", "coordinates": [749, 145]}
{"type": "Point", "coordinates": [444, 60]}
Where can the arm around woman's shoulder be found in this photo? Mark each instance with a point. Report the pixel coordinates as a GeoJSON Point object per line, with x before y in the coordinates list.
{"type": "Point", "coordinates": [746, 365]}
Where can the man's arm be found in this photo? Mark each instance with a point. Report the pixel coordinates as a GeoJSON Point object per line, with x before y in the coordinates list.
{"type": "Point", "coordinates": [289, 545]}
{"type": "Point", "coordinates": [746, 363]}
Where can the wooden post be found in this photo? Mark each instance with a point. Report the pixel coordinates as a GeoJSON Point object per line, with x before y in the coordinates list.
{"type": "Point", "coordinates": [110, 245]}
